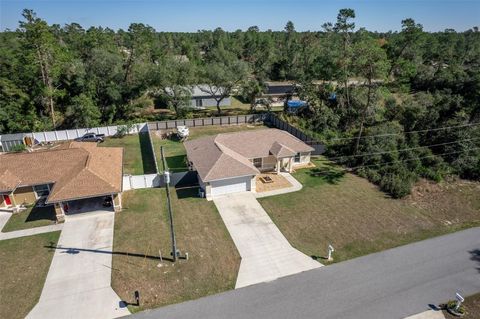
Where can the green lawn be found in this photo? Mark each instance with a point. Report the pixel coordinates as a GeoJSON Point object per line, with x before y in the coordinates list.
{"type": "Point", "coordinates": [32, 217]}
{"type": "Point", "coordinates": [137, 156]}
{"type": "Point", "coordinates": [175, 152]}
{"type": "Point", "coordinates": [142, 229]}
{"type": "Point", "coordinates": [24, 264]}
{"type": "Point", "coordinates": [356, 218]}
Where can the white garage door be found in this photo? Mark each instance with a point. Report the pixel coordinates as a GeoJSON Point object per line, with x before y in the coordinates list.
{"type": "Point", "coordinates": [232, 185]}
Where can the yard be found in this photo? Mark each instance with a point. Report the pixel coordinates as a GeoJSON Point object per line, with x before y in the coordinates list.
{"type": "Point", "coordinates": [137, 156]}
{"type": "Point", "coordinates": [32, 217]}
{"type": "Point", "coordinates": [356, 218]}
{"type": "Point", "coordinates": [24, 264]}
{"type": "Point", "coordinates": [142, 229]}
{"type": "Point", "coordinates": [175, 152]}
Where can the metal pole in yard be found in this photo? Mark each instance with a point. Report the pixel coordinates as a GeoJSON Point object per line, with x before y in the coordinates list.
{"type": "Point", "coordinates": [169, 205]}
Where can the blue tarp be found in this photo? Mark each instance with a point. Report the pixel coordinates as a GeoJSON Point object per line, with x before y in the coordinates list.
{"type": "Point", "coordinates": [296, 104]}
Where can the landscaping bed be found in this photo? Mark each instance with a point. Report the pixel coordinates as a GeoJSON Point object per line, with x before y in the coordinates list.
{"type": "Point", "coordinates": [137, 153]}
{"type": "Point", "coordinates": [142, 229]}
{"type": "Point", "coordinates": [24, 264]}
{"type": "Point", "coordinates": [350, 213]}
{"type": "Point", "coordinates": [472, 308]}
{"type": "Point", "coordinates": [30, 218]}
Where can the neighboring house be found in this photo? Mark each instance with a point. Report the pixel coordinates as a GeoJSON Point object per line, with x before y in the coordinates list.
{"type": "Point", "coordinates": [71, 175]}
{"type": "Point", "coordinates": [228, 163]}
{"type": "Point", "coordinates": [278, 93]}
{"type": "Point", "coordinates": [9, 141]}
{"type": "Point", "coordinates": [201, 99]}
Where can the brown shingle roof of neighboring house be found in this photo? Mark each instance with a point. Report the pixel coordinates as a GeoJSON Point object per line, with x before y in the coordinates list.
{"type": "Point", "coordinates": [228, 155]}
{"type": "Point", "coordinates": [77, 170]}
{"type": "Point", "coordinates": [8, 181]}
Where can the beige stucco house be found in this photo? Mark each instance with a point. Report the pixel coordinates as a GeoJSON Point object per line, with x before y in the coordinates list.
{"type": "Point", "coordinates": [62, 177]}
{"type": "Point", "coordinates": [228, 163]}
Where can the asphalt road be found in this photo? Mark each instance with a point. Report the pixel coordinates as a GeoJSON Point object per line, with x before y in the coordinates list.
{"type": "Point", "coordinates": [392, 284]}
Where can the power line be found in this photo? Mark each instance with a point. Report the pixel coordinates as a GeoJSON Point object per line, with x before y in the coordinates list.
{"type": "Point", "coordinates": [409, 132]}
{"type": "Point", "coordinates": [402, 150]}
{"type": "Point", "coordinates": [412, 159]}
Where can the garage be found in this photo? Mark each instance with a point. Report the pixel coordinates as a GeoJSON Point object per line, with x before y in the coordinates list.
{"type": "Point", "coordinates": [231, 185]}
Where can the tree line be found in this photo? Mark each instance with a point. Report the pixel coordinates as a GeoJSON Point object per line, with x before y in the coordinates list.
{"type": "Point", "coordinates": [366, 91]}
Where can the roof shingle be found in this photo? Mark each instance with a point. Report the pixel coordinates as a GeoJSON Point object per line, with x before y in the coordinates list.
{"type": "Point", "coordinates": [228, 155]}
{"type": "Point", "coordinates": [77, 170]}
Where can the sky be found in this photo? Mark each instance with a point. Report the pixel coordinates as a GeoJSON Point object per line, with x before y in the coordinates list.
{"type": "Point", "coordinates": [230, 15]}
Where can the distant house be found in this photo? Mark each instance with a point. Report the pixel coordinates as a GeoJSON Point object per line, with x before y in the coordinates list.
{"type": "Point", "coordinates": [279, 92]}
{"type": "Point", "coordinates": [201, 97]}
{"type": "Point", "coordinates": [229, 162]}
{"type": "Point", "coordinates": [70, 177]}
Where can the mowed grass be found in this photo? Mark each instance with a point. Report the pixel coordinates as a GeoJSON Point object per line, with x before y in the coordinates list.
{"type": "Point", "coordinates": [24, 264]}
{"type": "Point", "coordinates": [356, 218]}
{"type": "Point", "coordinates": [30, 218]}
{"type": "Point", "coordinates": [175, 153]}
{"type": "Point", "coordinates": [137, 154]}
{"type": "Point", "coordinates": [142, 229]}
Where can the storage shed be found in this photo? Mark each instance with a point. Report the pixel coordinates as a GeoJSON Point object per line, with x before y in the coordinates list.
{"type": "Point", "coordinates": [8, 141]}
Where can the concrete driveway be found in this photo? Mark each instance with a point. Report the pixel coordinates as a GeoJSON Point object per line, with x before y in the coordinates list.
{"type": "Point", "coordinates": [266, 253]}
{"type": "Point", "coordinates": [78, 281]}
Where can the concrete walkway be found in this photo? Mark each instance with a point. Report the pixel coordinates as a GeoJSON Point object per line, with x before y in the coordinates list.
{"type": "Point", "coordinates": [78, 281]}
{"type": "Point", "coordinates": [4, 217]}
{"type": "Point", "coordinates": [431, 314]}
{"type": "Point", "coordinates": [266, 253]}
{"type": "Point", "coordinates": [296, 186]}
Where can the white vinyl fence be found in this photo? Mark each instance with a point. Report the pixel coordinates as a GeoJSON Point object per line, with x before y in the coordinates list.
{"type": "Point", "coordinates": [141, 181]}
{"type": "Point", "coordinates": [65, 135]}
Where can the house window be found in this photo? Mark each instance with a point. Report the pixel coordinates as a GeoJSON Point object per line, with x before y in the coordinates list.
{"type": "Point", "coordinates": [296, 159]}
{"type": "Point", "coordinates": [257, 162]}
{"type": "Point", "coordinates": [199, 103]}
{"type": "Point", "coordinates": [41, 190]}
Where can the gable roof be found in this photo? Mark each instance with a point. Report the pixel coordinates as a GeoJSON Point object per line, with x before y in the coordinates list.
{"type": "Point", "coordinates": [279, 150]}
{"type": "Point", "coordinates": [77, 170]}
{"type": "Point", "coordinates": [228, 155]}
{"type": "Point", "coordinates": [212, 163]}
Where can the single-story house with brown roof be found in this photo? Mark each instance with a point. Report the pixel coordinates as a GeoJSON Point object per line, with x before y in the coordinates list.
{"type": "Point", "coordinates": [228, 162]}
{"type": "Point", "coordinates": [69, 175]}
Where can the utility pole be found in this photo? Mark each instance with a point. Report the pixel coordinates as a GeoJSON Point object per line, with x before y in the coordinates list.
{"type": "Point", "coordinates": [166, 175]}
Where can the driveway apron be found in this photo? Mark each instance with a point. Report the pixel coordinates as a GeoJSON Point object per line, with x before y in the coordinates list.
{"type": "Point", "coordinates": [266, 253]}
{"type": "Point", "coordinates": [78, 281]}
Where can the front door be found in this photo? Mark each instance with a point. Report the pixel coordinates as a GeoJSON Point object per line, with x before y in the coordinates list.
{"type": "Point", "coordinates": [8, 202]}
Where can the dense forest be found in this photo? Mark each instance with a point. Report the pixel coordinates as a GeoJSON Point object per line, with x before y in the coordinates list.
{"type": "Point", "coordinates": [407, 103]}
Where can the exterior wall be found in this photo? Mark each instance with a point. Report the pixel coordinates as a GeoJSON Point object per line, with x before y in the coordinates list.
{"type": "Point", "coordinates": [268, 163]}
{"type": "Point", "coordinates": [208, 191]}
{"type": "Point", "coordinates": [117, 202]}
{"type": "Point", "coordinates": [59, 212]}
{"type": "Point", "coordinates": [253, 184]}
{"type": "Point", "coordinates": [2, 201]}
{"type": "Point", "coordinates": [304, 159]}
{"type": "Point", "coordinates": [25, 195]}
{"type": "Point", "coordinates": [210, 102]}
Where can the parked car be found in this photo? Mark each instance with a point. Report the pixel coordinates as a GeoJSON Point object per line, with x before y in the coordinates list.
{"type": "Point", "coordinates": [91, 137]}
